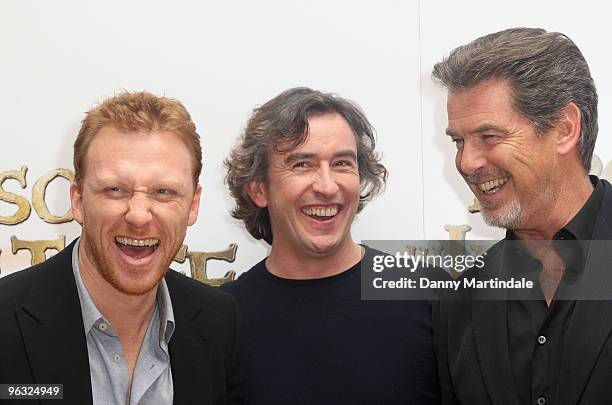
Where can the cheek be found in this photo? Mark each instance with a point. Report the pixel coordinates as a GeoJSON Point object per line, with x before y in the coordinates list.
{"type": "Point", "coordinates": [170, 219]}
{"type": "Point", "coordinates": [516, 156]}
{"type": "Point", "coordinates": [292, 189]}
{"type": "Point", "coordinates": [77, 214]}
{"type": "Point", "coordinates": [352, 185]}
{"type": "Point", "coordinates": [356, 185]}
{"type": "Point", "coordinates": [103, 218]}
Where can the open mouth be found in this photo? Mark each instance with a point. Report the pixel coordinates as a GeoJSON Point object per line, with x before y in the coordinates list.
{"type": "Point", "coordinates": [136, 248]}
{"type": "Point", "coordinates": [492, 186]}
{"type": "Point", "coordinates": [321, 213]}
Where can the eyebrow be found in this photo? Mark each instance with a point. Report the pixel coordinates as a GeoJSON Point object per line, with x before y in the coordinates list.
{"type": "Point", "coordinates": [482, 128]}
{"type": "Point", "coordinates": [305, 155]}
{"type": "Point", "coordinates": [174, 184]}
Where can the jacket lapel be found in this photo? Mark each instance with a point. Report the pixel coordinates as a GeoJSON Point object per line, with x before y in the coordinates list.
{"type": "Point", "coordinates": [591, 323]}
{"type": "Point", "coordinates": [52, 328]}
{"type": "Point", "coordinates": [190, 354]}
{"type": "Point", "coordinates": [490, 329]}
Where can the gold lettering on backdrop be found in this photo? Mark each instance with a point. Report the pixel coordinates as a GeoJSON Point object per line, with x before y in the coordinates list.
{"type": "Point", "coordinates": [37, 248]}
{"type": "Point", "coordinates": [475, 207]}
{"type": "Point", "coordinates": [23, 212]}
{"type": "Point", "coordinates": [180, 255]}
{"type": "Point", "coordinates": [478, 249]}
{"type": "Point", "coordinates": [457, 232]}
{"type": "Point", "coordinates": [38, 196]}
{"type": "Point", "coordinates": [198, 260]}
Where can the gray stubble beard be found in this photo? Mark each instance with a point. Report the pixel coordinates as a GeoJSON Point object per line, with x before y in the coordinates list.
{"type": "Point", "coordinates": [509, 218]}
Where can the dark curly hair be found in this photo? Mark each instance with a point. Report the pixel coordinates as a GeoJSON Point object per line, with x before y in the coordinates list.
{"type": "Point", "coordinates": [284, 121]}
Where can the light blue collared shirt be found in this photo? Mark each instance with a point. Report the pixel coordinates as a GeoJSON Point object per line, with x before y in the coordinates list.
{"type": "Point", "coordinates": [152, 376]}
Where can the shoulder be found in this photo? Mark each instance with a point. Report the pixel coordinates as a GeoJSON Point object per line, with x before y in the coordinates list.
{"type": "Point", "coordinates": [606, 205]}
{"type": "Point", "coordinates": [14, 288]}
{"type": "Point", "coordinates": [247, 280]}
{"type": "Point", "coordinates": [180, 285]}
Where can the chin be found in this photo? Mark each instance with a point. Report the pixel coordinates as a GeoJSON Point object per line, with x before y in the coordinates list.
{"type": "Point", "coordinates": [134, 288]}
{"type": "Point", "coordinates": [134, 285]}
{"type": "Point", "coordinates": [508, 218]}
{"type": "Point", "coordinates": [325, 246]}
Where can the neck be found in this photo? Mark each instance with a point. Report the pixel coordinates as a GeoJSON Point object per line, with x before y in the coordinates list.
{"type": "Point", "coordinates": [128, 314]}
{"type": "Point", "coordinates": [573, 195]}
{"type": "Point", "coordinates": [307, 266]}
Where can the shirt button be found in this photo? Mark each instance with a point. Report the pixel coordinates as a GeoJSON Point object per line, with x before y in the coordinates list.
{"type": "Point", "coordinates": [541, 401]}
{"type": "Point", "coordinates": [541, 340]}
{"type": "Point", "coordinates": [116, 358]}
{"type": "Point", "coordinates": [103, 327]}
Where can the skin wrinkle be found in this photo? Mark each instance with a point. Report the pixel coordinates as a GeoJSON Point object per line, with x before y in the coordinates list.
{"type": "Point", "coordinates": [158, 206]}
{"type": "Point", "coordinates": [516, 149]}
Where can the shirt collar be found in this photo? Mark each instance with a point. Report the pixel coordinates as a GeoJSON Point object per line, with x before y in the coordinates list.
{"type": "Point", "coordinates": [166, 312]}
{"type": "Point", "coordinates": [91, 314]}
{"type": "Point", "coordinates": [571, 242]}
{"type": "Point", "coordinates": [581, 226]}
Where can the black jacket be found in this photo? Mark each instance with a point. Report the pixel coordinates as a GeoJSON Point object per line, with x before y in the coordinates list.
{"type": "Point", "coordinates": [471, 339]}
{"type": "Point", "coordinates": [42, 338]}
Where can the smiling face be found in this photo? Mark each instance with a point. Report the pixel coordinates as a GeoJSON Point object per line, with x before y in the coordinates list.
{"type": "Point", "coordinates": [135, 202]}
{"type": "Point", "coordinates": [513, 172]}
{"type": "Point", "coordinates": [312, 192]}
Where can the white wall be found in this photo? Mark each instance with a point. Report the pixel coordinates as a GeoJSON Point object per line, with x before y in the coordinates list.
{"type": "Point", "coordinates": [221, 59]}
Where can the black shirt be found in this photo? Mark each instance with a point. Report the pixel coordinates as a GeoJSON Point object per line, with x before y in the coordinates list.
{"type": "Point", "coordinates": [317, 342]}
{"type": "Point", "coordinates": [536, 330]}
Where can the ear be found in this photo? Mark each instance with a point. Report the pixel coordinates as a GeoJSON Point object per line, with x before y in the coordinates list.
{"type": "Point", "coordinates": [256, 190]}
{"type": "Point", "coordinates": [195, 206]}
{"type": "Point", "coordinates": [568, 129]}
{"type": "Point", "coordinates": [76, 202]}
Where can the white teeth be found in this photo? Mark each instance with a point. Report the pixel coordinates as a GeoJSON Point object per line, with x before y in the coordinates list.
{"type": "Point", "coordinates": [321, 211]}
{"type": "Point", "coordinates": [488, 186]}
{"type": "Point", "coordinates": [136, 242]}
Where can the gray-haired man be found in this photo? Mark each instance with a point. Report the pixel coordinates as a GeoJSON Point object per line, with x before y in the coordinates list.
{"type": "Point", "coordinates": [522, 111]}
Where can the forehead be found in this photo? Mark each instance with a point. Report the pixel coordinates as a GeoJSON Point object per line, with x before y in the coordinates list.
{"type": "Point", "coordinates": [327, 134]}
{"type": "Point", "coordinates": [138, 156]}
{"type": "Point", "coordinates": [487, 103]}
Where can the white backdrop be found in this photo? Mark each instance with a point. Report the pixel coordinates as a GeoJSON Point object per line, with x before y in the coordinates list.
{"type": "Point", "coordinates": [221, 59]}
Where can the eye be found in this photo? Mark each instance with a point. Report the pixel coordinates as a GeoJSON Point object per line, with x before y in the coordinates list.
{"type": "Point", "coordinates": [301, 164]}
{"type": "Point", "coordinates": [343, 163]}
{"type": "Point", "coordinates": [113, 189]}
{"type": "Point", "coordinates": [164, 193]}
{"type": "Point", "coordinates": [457, 141]}
{"type": "Point", "coordinates": [489, 137]}
{"type": "Point", "coordinates": [114, 192]}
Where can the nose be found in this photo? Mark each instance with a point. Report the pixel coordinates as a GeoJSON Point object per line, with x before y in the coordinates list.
{"type": "Point", "coordinates": [325, 183]}
{"type": "Point", "coordinates": [470, 158]}
{"type": "Point", "coordinates": [139, 210]}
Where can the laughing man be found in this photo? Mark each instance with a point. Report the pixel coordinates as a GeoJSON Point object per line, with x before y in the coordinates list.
{"type": "Point", "coordinates": [105, 317]}
{"type": "Point", "coordinates": [303, 169]}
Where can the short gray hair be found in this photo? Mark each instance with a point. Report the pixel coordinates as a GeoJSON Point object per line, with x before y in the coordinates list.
{"type": "Point", "coordinates": [546, 70]}
{"type": "Point", "coordinates": [283, 123]}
